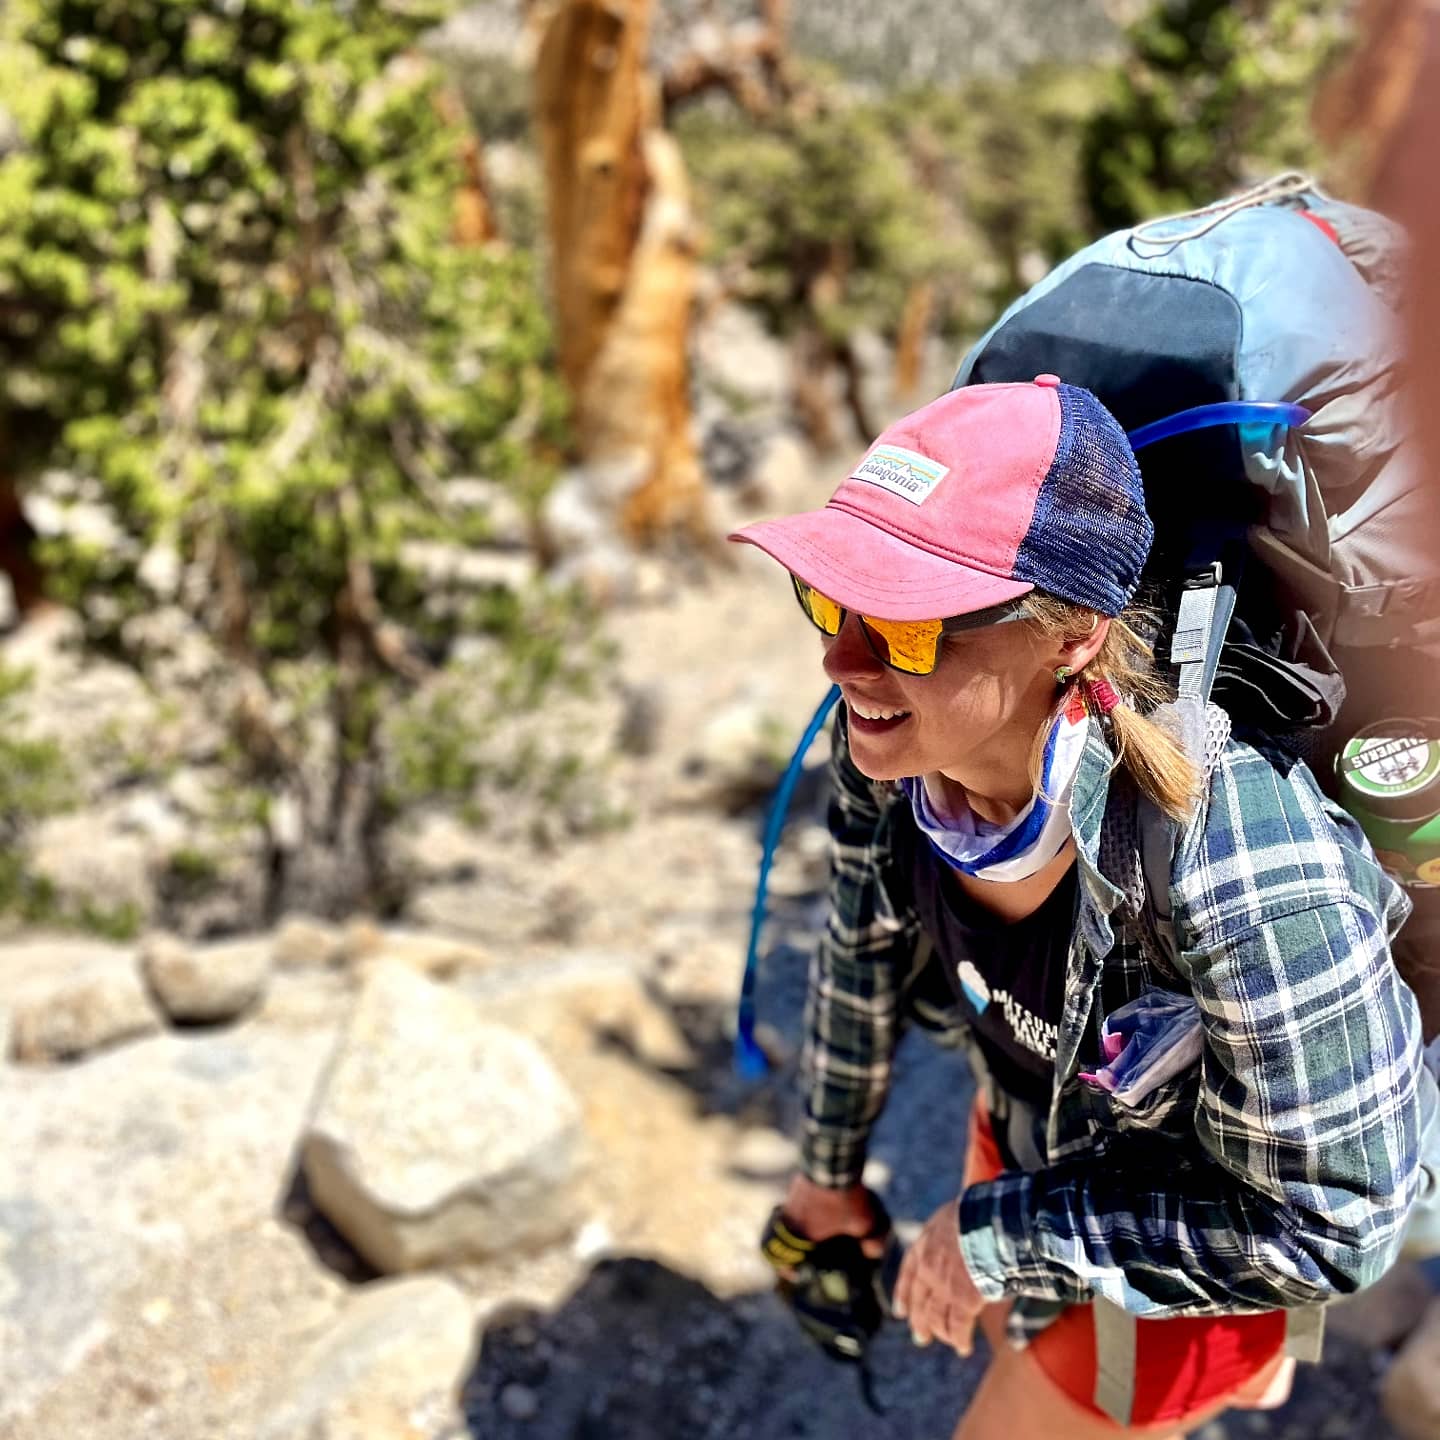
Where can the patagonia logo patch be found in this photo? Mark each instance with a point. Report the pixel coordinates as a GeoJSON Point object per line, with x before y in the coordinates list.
{"type": "Point", "coordinates": [902, 472]}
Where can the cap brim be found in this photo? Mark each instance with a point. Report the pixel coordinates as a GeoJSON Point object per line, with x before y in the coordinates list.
{"type": "Point", "coordinates": [862, 567]}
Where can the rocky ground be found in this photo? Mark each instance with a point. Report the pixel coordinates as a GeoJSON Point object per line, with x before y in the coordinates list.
{"type": "Point", "coordinates": [165, 1270]}
{"type": "Point", "coordinates": [218, 1152]}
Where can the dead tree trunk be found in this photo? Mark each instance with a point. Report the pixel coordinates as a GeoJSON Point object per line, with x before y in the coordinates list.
{"type": "Point", "coordinates": [474, 222]}
{"type": "Point", "coordinates": [910, 343]}
{"type": "Point", "coordinates": [622, 257]}
{"type": "Point", "coordinates": [16, 559]}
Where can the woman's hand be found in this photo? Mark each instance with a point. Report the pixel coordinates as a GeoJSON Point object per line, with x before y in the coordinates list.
{"type": "Point", "coordinates": [935, 1291]}
{"type": "Point", "coordinates": [818, 1213]}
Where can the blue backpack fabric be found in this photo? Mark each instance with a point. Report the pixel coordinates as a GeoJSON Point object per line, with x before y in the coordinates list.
{"type": "Point", "coordinates": [1327, 536]}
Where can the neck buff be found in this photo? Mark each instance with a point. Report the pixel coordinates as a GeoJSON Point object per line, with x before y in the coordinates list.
{"type": "Point", "coordinates": [1027, 843]}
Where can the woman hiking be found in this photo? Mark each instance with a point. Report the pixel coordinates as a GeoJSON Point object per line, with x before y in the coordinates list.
{"type": "Point", "coordinates": [1191, 1129]}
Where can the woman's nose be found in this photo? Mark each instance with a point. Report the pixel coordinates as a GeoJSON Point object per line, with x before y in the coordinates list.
{"type": "Point", "coordinates": [848, 657]}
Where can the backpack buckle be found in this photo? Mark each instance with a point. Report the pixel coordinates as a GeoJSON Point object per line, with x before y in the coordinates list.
{"type": "Point", "coordinates": [1206, 605]}
{"type": "Point", "coordinates": [1198, 595]}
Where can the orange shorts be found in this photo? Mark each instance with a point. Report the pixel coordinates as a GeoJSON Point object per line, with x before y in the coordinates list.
{"type": "Point", "coordinates": [1183, 1367]}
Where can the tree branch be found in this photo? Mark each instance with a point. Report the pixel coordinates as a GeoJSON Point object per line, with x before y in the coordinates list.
{"type": "Point", "coordinates": [749, 62]}
{"type": "Point", "coordinates": [304, 420]}
{"type": "Point", "coordinates": [358, 603]}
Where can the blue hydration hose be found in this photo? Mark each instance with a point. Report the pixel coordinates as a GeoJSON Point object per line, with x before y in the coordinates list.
{"type": "Point", "coordinates": [1226, 412]}
{"type": "Point", "coordinates": [750, 1061]}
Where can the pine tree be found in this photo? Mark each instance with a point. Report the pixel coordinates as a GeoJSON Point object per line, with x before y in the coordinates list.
{"type": "Point", "coordinates": [231, 305]}
{"type": "Point", "coordinates": [1211, 96]}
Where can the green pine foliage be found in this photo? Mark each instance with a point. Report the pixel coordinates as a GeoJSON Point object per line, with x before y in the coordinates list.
{"type": "Point", "coordinates": [232, 313]}
{"type": "Point", "coordinates": [228, 295]}
{"type": "Point", "coordinates": [1212, 96]}
{"type": "Point", "coordinates": [967, 186]}
{"type": "Point", "coordinates": [35, 781]}
{"type": "Point", "coordinates": [829, 190]}
{"type": "Point", "coordinates": [1004, 152]}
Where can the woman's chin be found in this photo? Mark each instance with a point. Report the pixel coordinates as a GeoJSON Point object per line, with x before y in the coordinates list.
{"type": "Point", "coordinates": [877, 761]}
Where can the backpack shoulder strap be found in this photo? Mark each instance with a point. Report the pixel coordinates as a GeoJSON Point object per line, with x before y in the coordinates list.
{"type": "Point", "coordinates": [1203, 731]}
{"type": "Point", "coordinates": [1158, 836]}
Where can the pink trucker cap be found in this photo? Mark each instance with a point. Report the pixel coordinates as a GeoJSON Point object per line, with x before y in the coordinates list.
{"type": "Point", "coordinates": [982, 495]}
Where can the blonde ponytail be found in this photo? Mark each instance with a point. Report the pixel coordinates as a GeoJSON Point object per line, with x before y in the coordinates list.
{"type": "Point", "coordinates": [1119, 686]}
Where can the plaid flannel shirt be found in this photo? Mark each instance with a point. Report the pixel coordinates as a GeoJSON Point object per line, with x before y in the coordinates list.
{"type": "Point", "coordinates": [1277, 1172]}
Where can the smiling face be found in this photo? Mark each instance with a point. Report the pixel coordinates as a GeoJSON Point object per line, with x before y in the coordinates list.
{"type": "Point", "coordinates": [974, 719]}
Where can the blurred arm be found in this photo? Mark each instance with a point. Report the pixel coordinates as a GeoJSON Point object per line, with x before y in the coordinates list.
{"type": "Point", "coordinates": [852, 1009]}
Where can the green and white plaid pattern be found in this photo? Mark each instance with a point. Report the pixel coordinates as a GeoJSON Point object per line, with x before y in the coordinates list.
{"type": "Point", "coordinates": [1275, 1174]}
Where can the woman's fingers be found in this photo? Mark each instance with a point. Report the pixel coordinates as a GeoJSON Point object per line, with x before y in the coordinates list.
{"type": "Point", "coordinates": [959, 1330]}
{"type": "Point", "coordinates": [927, 1313]}
{"type": "Point", "coordinates": [900, 1301]}
{"type": "Point", "coordinates": [930, 1308]}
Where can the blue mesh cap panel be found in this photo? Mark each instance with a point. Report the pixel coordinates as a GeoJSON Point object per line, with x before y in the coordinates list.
{"type": "Point", "coordinates": [1090, 532]}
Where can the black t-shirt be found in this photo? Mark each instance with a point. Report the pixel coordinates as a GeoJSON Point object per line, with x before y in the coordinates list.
{"type": "Point", "coordinates": [1009, 976]}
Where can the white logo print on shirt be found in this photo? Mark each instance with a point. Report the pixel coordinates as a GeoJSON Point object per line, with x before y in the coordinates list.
{"type": "Point", "coordinates": [1028, 1029]}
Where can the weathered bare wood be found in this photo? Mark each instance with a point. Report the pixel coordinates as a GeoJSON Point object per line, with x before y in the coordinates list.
{"type": "Point", "coordinates": [623, 266]}
{"type": "Point", "coordinates": [750, 62]}
{"type": "Point", "coordinates": [474, 214]}
{"type": "Point", "coordinates": [474, 222]}
{"type": "Point", "coordinates": [910, 342]}
{"type": "Point", "coordinates": [590, 112]}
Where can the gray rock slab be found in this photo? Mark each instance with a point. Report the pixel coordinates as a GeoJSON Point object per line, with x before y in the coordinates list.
{"type": "Point", "coordinates": [303, 943]}
{"type": "Point", "coordinates": [139, 1153]}
{"type": "Point", "coordinates": [441, 957]}
{"type": "Point", "coordinates": [574, 997]}
{"type": "Point", "coordinates": [435, 848]}
{"type": "Point", "coordinates": [194, 1348]}
{"type": "Point", "coordinates": [439, 1136]}
{"type": "Point", "coordinates": [35, 963]}
{"type": "Point", "coordinates": [737, 357]}
{"type": "Point", "coordinates": [737, 756]}
{"type": "Point", "coordinates": [92, 864]}
{"type": "Point", "coordinates": [390, 1366]}
{"type": "Point", "coordinates": [169, 1139]}
{"type": "Point", "coordinates": [58, 1273]}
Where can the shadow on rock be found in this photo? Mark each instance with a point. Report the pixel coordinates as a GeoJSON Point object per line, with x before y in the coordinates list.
{"type": "Point", "coordinates": [331, 1248]}
{"type": "Point", "coordinates": [641, 1352]}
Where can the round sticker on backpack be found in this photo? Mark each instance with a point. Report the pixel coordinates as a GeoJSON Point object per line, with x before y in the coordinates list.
{"type": "Point", "coordinates": [1390, 781]}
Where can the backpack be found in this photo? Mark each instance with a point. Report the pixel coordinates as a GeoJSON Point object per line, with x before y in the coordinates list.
{"type": "Point", "coordinates": [1289, 549]}
{"type": "Point", "coordinates": [1284, 556]}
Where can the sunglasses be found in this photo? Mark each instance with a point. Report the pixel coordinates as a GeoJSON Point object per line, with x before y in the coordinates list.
{"type": "Point", "coordinates": [910, 646]}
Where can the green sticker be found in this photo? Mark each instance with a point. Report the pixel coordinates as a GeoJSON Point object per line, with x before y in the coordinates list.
{"type": "Point", "coordinates": [1390, 766]}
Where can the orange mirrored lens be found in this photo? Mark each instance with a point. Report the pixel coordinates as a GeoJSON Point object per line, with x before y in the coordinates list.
{"type": "Point", "coordinates": [909, 645]}
{"type": "Point", "coordinates": [824, 612]}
